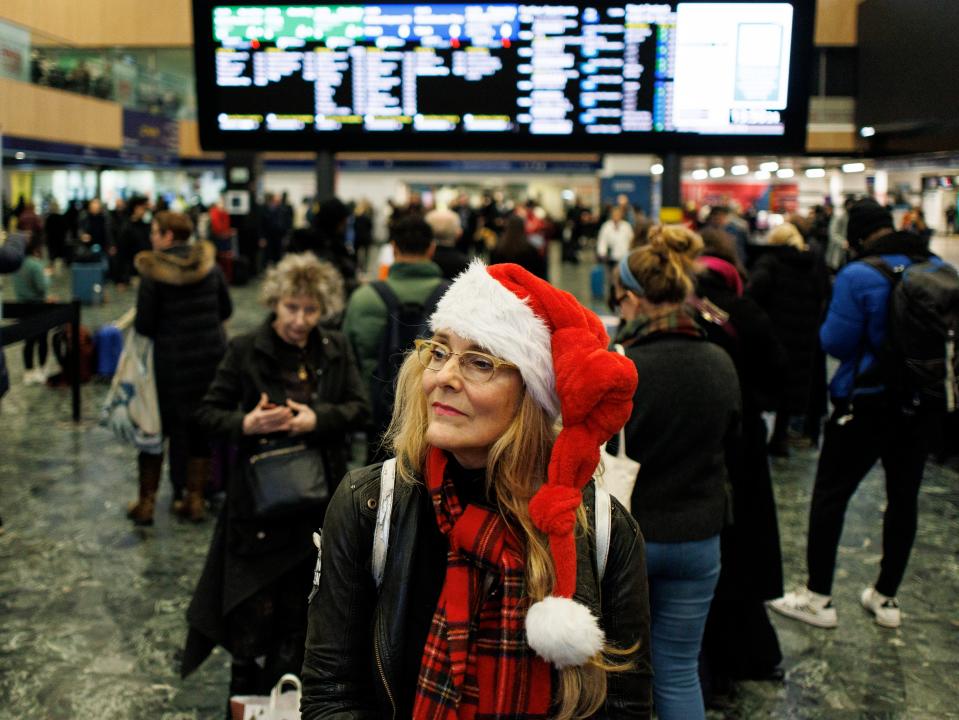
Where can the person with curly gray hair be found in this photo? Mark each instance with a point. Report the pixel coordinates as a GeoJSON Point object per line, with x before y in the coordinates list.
{"type": "Point", "coordinates": [286, 392]}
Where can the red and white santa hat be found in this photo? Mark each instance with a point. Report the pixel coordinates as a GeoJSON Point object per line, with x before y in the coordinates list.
{"type": "Point", "coordinates": [560, 348]}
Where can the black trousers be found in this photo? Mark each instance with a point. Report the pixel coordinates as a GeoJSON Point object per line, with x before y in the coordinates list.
{"type": "Point", "coordinates": [851, 446]}
{"type": "Point", "coordinates": [781, 426]}
{"type": "Point", "coordinates": [40, 343]}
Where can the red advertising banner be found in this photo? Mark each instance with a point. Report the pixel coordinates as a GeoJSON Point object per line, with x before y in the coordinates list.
{"type": "Point", "coordinates": [779, 198]}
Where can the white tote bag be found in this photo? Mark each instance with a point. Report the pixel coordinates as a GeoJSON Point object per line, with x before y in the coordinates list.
{"type": "Point", "coordinates": [131, 408]}
{"type": "Point", "coordinates": [278, 705]}
{"type": "Point", "coordinates": [619, 471]}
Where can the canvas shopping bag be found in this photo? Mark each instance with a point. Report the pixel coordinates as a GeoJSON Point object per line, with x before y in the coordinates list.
{"type": "Point", "coordinates": [278, 705]}
{"type": "Point", "coordinates": [131, 408]}
{"type": "Point", "coordinates": [619, 471]}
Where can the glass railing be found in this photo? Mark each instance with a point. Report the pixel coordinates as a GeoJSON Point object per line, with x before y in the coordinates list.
{"type": "Point", "coordinates": [135, 78]}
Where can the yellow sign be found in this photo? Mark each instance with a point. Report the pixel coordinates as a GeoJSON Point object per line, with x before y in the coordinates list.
{"type": "Point", "coordinates": [670, 215]}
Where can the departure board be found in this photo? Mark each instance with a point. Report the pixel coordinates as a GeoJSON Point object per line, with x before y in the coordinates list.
{"type": "Point", "coordinates": [419, 76]}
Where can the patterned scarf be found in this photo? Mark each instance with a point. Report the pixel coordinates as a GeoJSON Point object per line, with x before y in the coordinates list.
{"type": "Point", "coordinates": [476, 663]}
{"type": "Point", "coordinates": [666, 319]}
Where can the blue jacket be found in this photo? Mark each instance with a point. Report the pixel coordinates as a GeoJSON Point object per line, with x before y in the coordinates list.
{"type": "Point", "coordinates": [855, 326]}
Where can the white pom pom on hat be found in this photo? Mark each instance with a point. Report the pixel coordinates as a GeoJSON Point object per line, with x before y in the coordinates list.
{"type": "Point", "coordinates": [563, 631]}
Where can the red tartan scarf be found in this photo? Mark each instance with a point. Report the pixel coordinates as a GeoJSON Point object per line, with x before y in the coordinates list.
{"type": "Point", "coordinates": [476, 662]}
{"type": "Point", "coordinates": [666, 319]}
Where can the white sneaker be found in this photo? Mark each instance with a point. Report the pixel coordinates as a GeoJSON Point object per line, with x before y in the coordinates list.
{"type": "Point", "coordinates": [812, 608]}
{"type": "Point", "coordinates": [34, 377]}
{"type": "Point", "coordinates": [884, 609]}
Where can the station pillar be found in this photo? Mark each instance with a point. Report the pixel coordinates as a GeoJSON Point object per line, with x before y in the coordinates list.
{"type": "Point", "coordinates": [325, 175]}
{"type": "Point", "coordinates": [244, 171]}
{"type": "Point", "coordinates": [672, 202]}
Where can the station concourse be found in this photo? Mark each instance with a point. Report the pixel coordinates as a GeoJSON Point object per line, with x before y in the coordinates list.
{"type": "Point", "coordinates": [561, 136]}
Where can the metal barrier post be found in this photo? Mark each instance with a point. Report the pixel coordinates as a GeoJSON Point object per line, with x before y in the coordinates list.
{"type": "Point", "coordinates": [75, 357]}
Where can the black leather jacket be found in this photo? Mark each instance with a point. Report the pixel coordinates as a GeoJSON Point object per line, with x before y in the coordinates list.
{"type": "Point", "coordinates": [357, 643]}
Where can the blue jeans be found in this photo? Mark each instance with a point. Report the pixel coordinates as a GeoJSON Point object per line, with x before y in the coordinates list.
{"type": "Point", "coordinates": [682, 579]}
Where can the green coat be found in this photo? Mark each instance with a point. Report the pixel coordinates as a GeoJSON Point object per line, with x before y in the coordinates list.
{"type": "Point", "coordinates": [365, 320]}
{"type": "Point", "coordinates": [30, 283]}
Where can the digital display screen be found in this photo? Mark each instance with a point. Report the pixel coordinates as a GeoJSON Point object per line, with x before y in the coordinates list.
{"type": "Point", "coordinates": [495, 76]}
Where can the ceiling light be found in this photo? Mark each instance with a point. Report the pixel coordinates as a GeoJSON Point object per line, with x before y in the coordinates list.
{"type": "Point", "coordinates": [20, 155]}
{"type": "Point", "coordinates": [717, 172]}
{"type": "Point", "coordinates": [762, 175]}
{"type": "Point", "coordinates": [785, 173]}
{"type": "Point", "coordinates": [867, 131]}
{"type": "Point", "coordinates": [815, 173]}
{"type": "Point", "coordinates": [700, 174]}
{"type": "Point", "coordinates": [739, 169]}
{"type": "Point", "coordinates": [769, 167]}
{"type": "Point", "coordinates": [656, 169]}
{"type": "Point", "coordinates": [854, 167]}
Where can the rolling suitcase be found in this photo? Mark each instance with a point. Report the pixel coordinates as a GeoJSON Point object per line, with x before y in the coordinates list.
{"type": "Point", "coordinates": [87, 281]}
{"type": "Point", "coordinates": [597, 282]}
{"type": "Point", "coordinates": [108, 343]}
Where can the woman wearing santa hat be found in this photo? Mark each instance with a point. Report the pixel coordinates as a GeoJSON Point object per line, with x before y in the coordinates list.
{"type": "Point", "coordinates": [493, 600]}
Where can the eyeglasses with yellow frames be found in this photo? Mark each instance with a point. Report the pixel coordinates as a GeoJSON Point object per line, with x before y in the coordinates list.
{"type": "Point", "coordinates": [475, 367]}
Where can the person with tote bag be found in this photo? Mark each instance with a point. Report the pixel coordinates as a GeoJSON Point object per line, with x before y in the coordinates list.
{"type": "Point", "coordinates": [685, 419]}
{"type": "Point", "coordinates": [287, 395]}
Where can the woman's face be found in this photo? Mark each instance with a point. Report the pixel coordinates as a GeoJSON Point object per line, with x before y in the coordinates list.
{"type": "Point", "coordinates": [466, 418]}
{"type": "Point", "coordinates": [296, 316]}
{"type": "Point", "coordinates": [630, 304]}
{"type": "Point", "coordinates": [160, 240]}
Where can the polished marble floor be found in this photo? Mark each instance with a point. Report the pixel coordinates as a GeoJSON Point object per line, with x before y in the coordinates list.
{"type": "Point", "coordinates": [92, 609]}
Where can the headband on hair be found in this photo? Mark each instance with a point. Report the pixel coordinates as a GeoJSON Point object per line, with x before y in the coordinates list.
{"type": "Point", "coordinates": [627, 279]}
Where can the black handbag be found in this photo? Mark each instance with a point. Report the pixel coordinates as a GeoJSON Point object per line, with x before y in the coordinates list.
{"type": "Point", "coordinates": [286, 477]}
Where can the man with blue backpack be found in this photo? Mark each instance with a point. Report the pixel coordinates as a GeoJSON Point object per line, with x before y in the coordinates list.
{"type": "Point", "coordinates": [892, 324]}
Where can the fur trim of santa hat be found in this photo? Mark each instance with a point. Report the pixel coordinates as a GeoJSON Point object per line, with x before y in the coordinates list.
{"type": "Point", "coordinates": [478, 308]}
{"type": "Point", "coordinates": [560, 348]}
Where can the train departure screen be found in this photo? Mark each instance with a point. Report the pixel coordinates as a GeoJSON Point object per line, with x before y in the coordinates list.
{"type": "Point", "coordinates": [473, 73]}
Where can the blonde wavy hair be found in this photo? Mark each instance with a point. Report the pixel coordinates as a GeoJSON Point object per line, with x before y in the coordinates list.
{"type": "Point", "coordinates": [305, 274]}
{"type": "Point", "coordinates": [515, 470]}
{"type": "Point", "coordinates": [664, 266]}
{"type": "Point", "coordinates": [786, 234]}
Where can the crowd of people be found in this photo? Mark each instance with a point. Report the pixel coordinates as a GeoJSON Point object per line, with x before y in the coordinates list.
{"type": "Point", "coordinates": [485, 394]}
{"type": "Point", "coordinates": [96, 77]}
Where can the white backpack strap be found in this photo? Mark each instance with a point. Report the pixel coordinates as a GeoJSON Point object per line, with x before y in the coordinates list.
{"type": "Point", "coordinates": [604, 519]}
{"type": "Point", "coordinates": [621, 443]}
{"type": "Point", "coordinates": [317, 570]}
{"type": "Point", "coordinates": [384, 509]}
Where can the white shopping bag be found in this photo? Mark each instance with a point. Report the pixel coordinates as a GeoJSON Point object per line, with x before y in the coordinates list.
{"type": "Point", "coordinates": [619, 473]}
{"type": "Point", "coordinates": [278, 705]}
{"type": "Point", "coordinates": [131, 408]}
{"type": "Point", "coordinates": [619, 470]}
